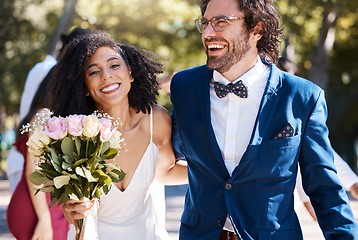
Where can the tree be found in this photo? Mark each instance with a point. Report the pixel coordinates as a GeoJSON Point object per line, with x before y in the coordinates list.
{"type": "Point", "coordinates": [322, 35]}
{"type": "Point", "coordinates": [25, 29]}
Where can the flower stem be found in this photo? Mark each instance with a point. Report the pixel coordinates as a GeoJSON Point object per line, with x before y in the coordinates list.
{"type": "Point", "coordinates": [100, 149]}
{"type": "Point", "coordinates": [87, 147]}
{"type": "Point", "coordinates": [80, 224]}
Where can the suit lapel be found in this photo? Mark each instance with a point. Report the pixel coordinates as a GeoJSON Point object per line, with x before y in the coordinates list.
{"type": "Point", "coordinates": [268, 105]}
{"type": "Point", "coordinates": [266, 111]}
{"type": "Point", "coordinates": [203, 93]}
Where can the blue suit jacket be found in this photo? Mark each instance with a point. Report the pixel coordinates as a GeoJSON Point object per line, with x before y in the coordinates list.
{"type": "Point", "coordinates": [259, 194]}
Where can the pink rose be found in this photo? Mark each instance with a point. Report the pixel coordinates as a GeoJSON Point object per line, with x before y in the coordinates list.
{"type": "Point", "coordinates": [75, 124]}
{"type": "Point", "coordinates": [56, 128]}
{"type": "Point", "coordinates": [105, 131]}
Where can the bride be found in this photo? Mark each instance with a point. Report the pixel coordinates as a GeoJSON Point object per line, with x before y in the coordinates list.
{"type": "Point", "coordinates": [96, 73]}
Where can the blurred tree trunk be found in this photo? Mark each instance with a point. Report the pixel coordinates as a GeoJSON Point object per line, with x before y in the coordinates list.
{"type": "Point", "coordinates": [68, 13]}
{"type": "Point", "coordinates": [320, 58]}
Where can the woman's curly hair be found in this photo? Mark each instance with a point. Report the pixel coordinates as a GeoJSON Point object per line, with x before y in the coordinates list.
{"type": "Point", "coordinates": [68, 91]}
{"type": "Point", "coordinates": [263, 11]}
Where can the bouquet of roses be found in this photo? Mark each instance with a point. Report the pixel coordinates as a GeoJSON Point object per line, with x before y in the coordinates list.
{"type": "Point", "coordinates": [72, 155]}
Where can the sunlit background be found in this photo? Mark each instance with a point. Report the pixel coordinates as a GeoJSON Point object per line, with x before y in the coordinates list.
{"type": "Point", "coordinates": [320, 36]}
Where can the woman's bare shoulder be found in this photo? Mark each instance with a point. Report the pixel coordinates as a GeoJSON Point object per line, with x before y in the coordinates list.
{"type": "Point", "coordinates": [162, 125]}
{"type": "Point", "coordinates": [161, 115]}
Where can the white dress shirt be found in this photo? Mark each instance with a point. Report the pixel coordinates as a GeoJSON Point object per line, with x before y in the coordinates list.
{"type": "Point", "coordinates": [345, 174]}
{"type": "Point", "coordinates": [15, 160]}
{"type": "Point", "coordinates": [233, 118]}
{"type": "Point", "coordinates": [32, 83]}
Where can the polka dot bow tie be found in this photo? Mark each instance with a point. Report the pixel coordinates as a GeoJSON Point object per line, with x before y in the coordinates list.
{"type": "Point", "coordinates": [239, 89]}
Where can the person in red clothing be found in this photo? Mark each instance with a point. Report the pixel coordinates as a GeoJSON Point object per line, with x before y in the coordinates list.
{"type": "Point", "coordinates": [29, 215]}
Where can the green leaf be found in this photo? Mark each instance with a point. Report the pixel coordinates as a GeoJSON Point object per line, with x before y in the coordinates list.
{"type": "Point", "coordinates": [98, 193]}
{"type": "Point", "coordinates": [95, 162]}
{"type": "Point", "coordinates": [47, 189]}
{"type": "Point", "coordinates": [79, 162]}
{"type": "Point", "coordinates": [54, 156]}
{"type": "Point", "coordinates": [61, 180]}
{"type": "Point", "coordinates": [79, 192]}
{"type": "Point", "coordinates": [73, 176]}
{"type": "Point", "coordinates": [105, 147]}
{"type": "Point", "coordinates": [120, 175]}
{"type": "Point", "coordinates": [116, 175]}
{"type": "Point", "coordinates": [114, 166]}
{"type": "Point", "coordinates": [54, 160]}
{"type": "Point", "coordinates": [88, 175]}
{"type": "Point", "coordinates": [72, 193]}
{"type": "Point", "coordinates": [48, 183]}
{"type": "Point", "coordinates": [110, 154]}
{"type": "Point", "coordinates": [38, 178]}
{"type": "Point", "coordinates": [68, 146]}
{"type": "Point", "coordinates": [68, 159]}
{"type": "Point", "coordinates": [53, 201]}
{"type": "Point", "coordinates": [37, 191]}
{"type": "Point", "coordinates": [64, 197]}
{"type": "Point", "coordinates": [103, 177]}
{"type": "Point", "coordinates": [91, 147]}
{"type": "Point", "coordinates": [106, 188]}
{"type": "Point", "coordinates": [58, 192]}
{"type": "Point", "coordinates": [78, 146]}
{"type": "Point", "coordinates": [66, 166]}
{"type": "Point", "coordinates": [50, 174]}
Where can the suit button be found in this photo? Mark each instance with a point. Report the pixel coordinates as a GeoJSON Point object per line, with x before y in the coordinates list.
{"type": "Point", "coordinates": [228, 186]}
{"type": "Point", "coordinates": [219, 223]}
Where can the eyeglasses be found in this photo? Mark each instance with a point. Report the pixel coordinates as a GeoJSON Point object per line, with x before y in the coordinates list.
{"type": "Point", "coordinates": [218, 23]}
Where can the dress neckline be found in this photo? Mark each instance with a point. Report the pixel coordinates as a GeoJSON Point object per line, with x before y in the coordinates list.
{"type": "Point", "coordinates": [145, 153]}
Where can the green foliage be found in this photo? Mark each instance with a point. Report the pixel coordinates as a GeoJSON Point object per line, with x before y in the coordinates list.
{"type": "Point", "coordinates": [167, 28]}
{"type": "Point", "coordinates": [67, 172]}
{"type": "Point", "coordinates": [303, 21]}
{"type": "Point", "coordinates": [25, 30]}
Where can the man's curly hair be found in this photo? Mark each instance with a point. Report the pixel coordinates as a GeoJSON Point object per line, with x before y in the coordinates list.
{"type": "Point", "coordinates": [68, 91]}
{"type": "Point", "coordinates": [263, 11]}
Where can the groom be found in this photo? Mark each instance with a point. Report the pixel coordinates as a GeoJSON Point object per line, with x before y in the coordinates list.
{"type": "Point", "coordinates": [243, 126]}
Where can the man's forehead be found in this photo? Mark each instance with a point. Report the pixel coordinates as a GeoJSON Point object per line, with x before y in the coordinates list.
{"type": "Point", "coordinates": [229, 8]}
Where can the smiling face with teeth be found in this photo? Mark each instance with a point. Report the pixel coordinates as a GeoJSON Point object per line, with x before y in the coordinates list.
{"type": "Point", "coordinates": [225, 49]}
{"type": "Point", "coordinates": [107, 78]}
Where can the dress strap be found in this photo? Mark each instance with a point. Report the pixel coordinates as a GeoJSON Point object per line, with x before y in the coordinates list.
{"type": "Point", "coordinates": [151, 123]}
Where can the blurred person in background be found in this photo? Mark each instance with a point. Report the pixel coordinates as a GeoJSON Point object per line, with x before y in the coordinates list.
{"type": "Point", "coordinates": [15, 160]}
{"type": "Point", "coordinates": [29, 215]}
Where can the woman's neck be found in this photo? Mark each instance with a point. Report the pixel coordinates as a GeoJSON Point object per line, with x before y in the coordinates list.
{"type": "Point", "coordinates": [123, 113]}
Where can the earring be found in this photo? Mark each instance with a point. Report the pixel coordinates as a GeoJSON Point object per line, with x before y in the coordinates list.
{"type": "Point", "coordinates": [87, 94]}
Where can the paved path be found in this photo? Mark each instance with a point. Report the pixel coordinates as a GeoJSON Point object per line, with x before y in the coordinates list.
{"type": "Point", "coordinates": [174, 200]}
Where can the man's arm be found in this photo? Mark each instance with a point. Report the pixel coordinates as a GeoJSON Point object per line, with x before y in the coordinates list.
{"type": "Point", "coordinates": [320, 180]}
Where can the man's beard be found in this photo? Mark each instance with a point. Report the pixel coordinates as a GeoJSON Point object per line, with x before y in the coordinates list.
{"type": "Point", "coordinates": [235, 53]}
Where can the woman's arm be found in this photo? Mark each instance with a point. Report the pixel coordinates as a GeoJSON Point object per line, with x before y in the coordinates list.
{"type": "Point", "coordinates": [168, 170]}
{"type": "Point", "coordinates": [43, 228]}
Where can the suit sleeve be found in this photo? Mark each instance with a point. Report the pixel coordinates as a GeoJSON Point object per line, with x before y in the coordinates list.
{"type": "Point", "coordinates": [320, 180]}
{"type": "Point", "coordinates": [176, 140]}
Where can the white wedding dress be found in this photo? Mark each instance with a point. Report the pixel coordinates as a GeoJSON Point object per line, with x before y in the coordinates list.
{"type": "Point", "coordinates": [137, 213]}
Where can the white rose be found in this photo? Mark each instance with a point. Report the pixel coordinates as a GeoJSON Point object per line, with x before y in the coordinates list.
{"type": "Point", "coordinates": [37, 142]}
{"type": "Point", "coordinates": [116, 141]}
{"type": "Point", "coordinates": [91, 126]}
